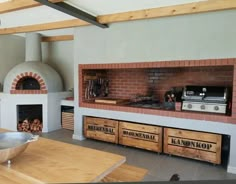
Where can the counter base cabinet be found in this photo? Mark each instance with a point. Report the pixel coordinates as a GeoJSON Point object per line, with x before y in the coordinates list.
{"type": "Point", "coordinates": [140, 136]}
{"type": "Point", "coordinates": [191, 144]}
{"type": "Point", "coordinates": [101, 129]}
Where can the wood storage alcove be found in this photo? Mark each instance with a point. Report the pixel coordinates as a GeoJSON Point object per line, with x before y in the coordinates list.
{"type": "Point", "coordinates": [29, 118]}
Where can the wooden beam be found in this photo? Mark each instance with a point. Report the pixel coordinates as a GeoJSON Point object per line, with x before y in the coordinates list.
{"type": "Point", "coordinates": [20, 4]}
{"type": "Point", "coordinates": [46, 26]}
{"type": "Point", "coordinates": [57, 38]}
{"type": "Point", "coordinates": [185, 9]}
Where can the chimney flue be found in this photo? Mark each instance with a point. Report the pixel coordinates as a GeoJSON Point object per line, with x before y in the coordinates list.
{"type": "Point", "coordinates": [33, 51]}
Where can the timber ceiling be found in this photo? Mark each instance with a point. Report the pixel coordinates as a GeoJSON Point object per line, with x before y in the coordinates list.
{"type": "Point", "coordinates": [19, 16]}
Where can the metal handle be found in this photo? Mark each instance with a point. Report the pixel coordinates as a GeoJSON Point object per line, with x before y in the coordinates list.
{"type": "Point", "coordinates": [34, 138]}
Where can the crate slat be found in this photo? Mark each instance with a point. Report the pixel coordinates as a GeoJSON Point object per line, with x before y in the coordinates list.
{"type": "Point", "coordinates": [67, 114]}
{"type": "Point", "coordinates": [68, 124]}
{"type": "Point", "coordinates": [67, 119]}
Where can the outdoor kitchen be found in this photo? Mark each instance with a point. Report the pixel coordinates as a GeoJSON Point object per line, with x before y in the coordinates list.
{"type": "Point", "coordinates": [116, 91]}
{"type": "Point", "coordinates": [181, 89]}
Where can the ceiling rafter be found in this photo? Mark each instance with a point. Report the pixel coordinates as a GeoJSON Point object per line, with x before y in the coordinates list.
{"type": "Point", "coordinates": [46, 26]}
{"type": "Point", "coordinates": [57, 38]}
{"type": "Point", "coordinates": [21, 4]}
{"type": "Point", "coordinates": [185, 9]}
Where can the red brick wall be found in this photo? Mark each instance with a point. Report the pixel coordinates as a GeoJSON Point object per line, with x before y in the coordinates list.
{"type": "Point", "coordinates": [161, 76]}
{"type": "Point", "coordinates": [165, 78]}
{"type": "Point", "coordinates": [126, 83]}
{"type": "Point", "coordinates": [89, 75]}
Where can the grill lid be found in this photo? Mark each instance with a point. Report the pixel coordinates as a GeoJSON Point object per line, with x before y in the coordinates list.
{"type": "Point", "coordinates": [205, 93]}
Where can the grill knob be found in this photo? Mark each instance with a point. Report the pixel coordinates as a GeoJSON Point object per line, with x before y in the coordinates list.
{"type": "Point", "coordinates": [190, 106]}
{"type": "Point", "coordinates": [203, 107]}
{"type": "Point", "coordinates": [216, 108]}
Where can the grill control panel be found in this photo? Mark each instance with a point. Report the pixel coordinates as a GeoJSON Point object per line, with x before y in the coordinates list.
{"type": "Point", "coordinates": [204, 107]}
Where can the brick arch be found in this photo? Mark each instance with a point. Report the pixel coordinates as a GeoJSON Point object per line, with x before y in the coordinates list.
{"type": "Point", "coordinates": [42, 90]}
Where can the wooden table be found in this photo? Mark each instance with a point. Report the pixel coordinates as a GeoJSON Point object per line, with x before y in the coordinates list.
{"type": "Point", "coordinates": [48, 161]}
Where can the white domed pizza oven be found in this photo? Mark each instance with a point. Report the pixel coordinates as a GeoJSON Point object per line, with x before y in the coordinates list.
{"type": "Point", "coordinates": [32, 93]}
{"type": "Point", "coordinates": [32, 76]}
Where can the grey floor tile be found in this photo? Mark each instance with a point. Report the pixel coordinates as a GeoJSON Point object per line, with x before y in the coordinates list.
{"type": "Point", "coordinates": [149, 177]}
{"type": "Point", "coordinates": [230, 176]}
{"type": "Point", "coordinates": [207, 171]}
{"type": "Point", "coordinates": [160, 166]}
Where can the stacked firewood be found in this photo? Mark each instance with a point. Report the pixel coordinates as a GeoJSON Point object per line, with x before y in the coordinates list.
{"type": "Point", "coordinates": [24, 126]}
{"type": "Point", "coordinates": [36, 126]}
{"type": "Point", "coordinates": [30, 126]}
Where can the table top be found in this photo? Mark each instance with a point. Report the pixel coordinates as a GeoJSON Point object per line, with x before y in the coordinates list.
{"type": "Point", "coordinates": [49, 161]}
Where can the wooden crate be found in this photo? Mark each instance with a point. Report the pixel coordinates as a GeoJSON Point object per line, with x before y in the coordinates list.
{"type": "Point", "coordinates": [191, 144]}
{"type": "Point", "coordinates": [101, 129]}
{"type": "Point", "coordinates": [68, 120]}
{"type": "Point", "coordinates": [141, 136]}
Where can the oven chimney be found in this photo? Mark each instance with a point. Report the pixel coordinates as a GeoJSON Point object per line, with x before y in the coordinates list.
{"type": "Point", "coordinates": [33, 51]}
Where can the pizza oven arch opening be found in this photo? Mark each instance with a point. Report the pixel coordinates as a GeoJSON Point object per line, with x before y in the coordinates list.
{"type": "Point", "coordinates": [28, 83]}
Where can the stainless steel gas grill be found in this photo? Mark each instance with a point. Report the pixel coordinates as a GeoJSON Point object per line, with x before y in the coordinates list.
{"type": "Point", "coordinates": [205, 99]}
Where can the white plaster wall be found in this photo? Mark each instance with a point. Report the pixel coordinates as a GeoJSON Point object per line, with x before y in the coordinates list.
{"type": "Point", "coordinates": [54, 109]}
{"type": "Point", "coordinates": [9, 111]}
{"type": "Point", "coordinates": [0, 113]}
{"type": "Point", "coordinates": [197, 36]}
{"type": "Point", "coordinates": [12, 52]}
{"type": "Point", "coordinates": [59, 55]}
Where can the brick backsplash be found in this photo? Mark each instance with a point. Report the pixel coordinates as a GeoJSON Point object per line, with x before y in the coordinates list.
{"type": "Point", "coordinates": [129, 79]}
{"type": "Point", "coordinates": [126, 83]}
{"type": "Point", "coordinates": [162, 80]}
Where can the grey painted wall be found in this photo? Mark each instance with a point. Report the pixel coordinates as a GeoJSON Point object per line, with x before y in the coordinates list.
{"type": "Point", "coordinates": [12, 52]}
{"type": "Point", "coordinates": [197, 36]}
{"type": "Point", "coordinates": [59, 55]}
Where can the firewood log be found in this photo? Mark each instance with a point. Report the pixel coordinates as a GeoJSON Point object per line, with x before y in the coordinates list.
{"type": "Point", "coordinates": [36, 126]}
{"type": "Point", "coordinates": [25, 125]}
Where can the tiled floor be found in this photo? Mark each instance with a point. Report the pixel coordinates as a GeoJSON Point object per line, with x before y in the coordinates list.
{"type": "Point", "coordinates": [160, 166]}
